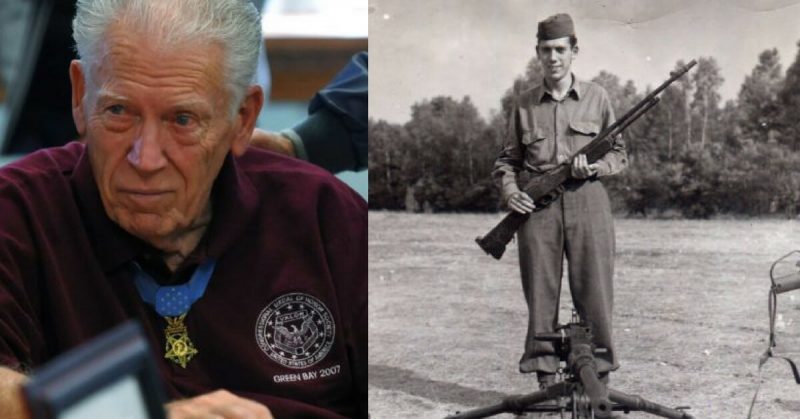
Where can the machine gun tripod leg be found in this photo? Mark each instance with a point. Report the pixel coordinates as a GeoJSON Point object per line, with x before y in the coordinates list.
{"type": "Point", "coordinates": [587, 396]}
{"type": "Point", "coordinates": [578, 405]}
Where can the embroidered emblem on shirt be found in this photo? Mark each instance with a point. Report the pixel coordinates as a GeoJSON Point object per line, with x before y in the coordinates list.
{"type": "Point", "coordinates": [295, 330]}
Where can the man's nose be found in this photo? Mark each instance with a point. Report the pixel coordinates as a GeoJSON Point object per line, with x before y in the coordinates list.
{"type": "Point", "coordinates": [146, 154]}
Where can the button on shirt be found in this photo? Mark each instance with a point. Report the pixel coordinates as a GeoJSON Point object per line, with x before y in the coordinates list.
{"type": "Point", "coordinates": [544, 132]}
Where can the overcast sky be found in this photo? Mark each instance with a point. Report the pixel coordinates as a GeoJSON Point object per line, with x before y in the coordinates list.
{"type": "Point", "coordinates": [424, 48]}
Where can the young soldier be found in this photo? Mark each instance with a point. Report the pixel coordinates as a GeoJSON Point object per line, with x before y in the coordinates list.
{"type": "Point", "coordinates": [548, 124]}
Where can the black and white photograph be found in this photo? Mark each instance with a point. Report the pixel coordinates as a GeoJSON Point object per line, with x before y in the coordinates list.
{"type": "Point", "coordinates": [584, 209]}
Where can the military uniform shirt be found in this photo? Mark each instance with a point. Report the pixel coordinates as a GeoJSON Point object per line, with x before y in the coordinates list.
{"type": "Point", "coordinates": [544, 133]}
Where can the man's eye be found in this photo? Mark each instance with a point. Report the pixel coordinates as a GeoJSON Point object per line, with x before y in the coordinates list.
{"type": "Point", "coordinates": [116, 109]}
{"type": "Point", "coordinates": [183, 120]}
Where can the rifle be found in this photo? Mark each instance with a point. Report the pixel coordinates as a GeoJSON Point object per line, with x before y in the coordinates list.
{"type": "Point", "coordinates": [545, 188]}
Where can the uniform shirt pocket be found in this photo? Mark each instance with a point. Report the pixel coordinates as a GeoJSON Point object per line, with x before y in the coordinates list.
{"type": "Point", "coordinates": [539, 147]}
{"type": "Point", "coordinates": [581, 133]}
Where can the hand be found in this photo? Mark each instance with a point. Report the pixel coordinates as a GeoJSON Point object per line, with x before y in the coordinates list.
{"type": "Point", "coordinates": [272, 141]}
{"type": "Point", "coordinates": [520, 202]}
{"type": "Point", "coordinates": [220, 404]}
{"type": "Point", "coordinates": [581, 169]}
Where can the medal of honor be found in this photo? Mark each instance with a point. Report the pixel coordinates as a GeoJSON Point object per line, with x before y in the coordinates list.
{"type": "Point", "coordinates": [173, 304]}
{"type": "Point", "coordinates": [179, 348]}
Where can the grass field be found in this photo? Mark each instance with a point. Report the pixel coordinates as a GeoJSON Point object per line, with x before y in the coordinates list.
{"type": "Point", "coordinates": [446, 322]}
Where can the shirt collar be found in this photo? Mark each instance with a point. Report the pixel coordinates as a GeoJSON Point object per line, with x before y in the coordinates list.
{"type": "Point", "coordinates": [233, 198]}
{"type": "Point", "coordinates": [575, 91]}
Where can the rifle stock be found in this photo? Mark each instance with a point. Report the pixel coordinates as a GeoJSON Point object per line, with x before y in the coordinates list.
{"type": "Point", "coordinates": [545, 188]}
{"type": "Point", "coordinates": [494, 243]}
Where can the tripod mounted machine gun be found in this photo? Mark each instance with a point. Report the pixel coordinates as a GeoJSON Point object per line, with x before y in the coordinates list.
{"type": "Point", "coordinates": [546, 188]}
{"type": "Point", "coordinates": [586, 395]}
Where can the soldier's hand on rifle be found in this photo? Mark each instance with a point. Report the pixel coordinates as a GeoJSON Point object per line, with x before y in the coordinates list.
{"type": "Point", "coordinates": [581, 169]}
{"type": "Point", "coordinates": [521, 203]}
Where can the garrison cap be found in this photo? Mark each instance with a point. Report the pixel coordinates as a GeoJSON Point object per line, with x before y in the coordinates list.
{"type": "Point", "coordinates": [556, 26]}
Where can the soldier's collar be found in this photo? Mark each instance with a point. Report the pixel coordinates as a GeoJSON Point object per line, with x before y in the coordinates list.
{"type": "Point", "coordinates": [575, 90]}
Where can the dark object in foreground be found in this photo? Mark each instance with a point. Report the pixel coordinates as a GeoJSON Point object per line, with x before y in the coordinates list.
{"type": "Point", "coordinates": [545, 188]}
{"type": "Point", "coordinates": [113, 375]}
{"type": "Point", "coordinates": [581, 392]}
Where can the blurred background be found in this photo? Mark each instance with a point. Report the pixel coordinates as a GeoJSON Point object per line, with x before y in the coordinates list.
{"type": "Point", "coordinates": [307, 43]}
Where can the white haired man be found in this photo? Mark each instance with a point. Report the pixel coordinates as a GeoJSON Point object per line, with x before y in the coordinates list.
{"type": "Point", "coordinates": [247, 269]}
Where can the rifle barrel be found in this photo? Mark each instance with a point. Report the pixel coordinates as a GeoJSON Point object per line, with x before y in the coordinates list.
{"type": "Point", "coordinates": [644, 102]}
{"type": "Point", "coordinates": [596, 150]}
{"type": "Point", "coordinates": [652, 102]}
{"type": "Point", "coordinates": [675, 75]}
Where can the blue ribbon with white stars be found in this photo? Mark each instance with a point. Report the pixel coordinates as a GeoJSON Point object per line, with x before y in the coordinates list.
{"type": "Point", "coordinates": [174, 300]}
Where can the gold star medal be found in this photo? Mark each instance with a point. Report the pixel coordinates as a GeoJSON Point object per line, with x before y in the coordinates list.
{"type": "Point", "coordinates": [180, 348]}
{"type": "Point", "coordinates": [173, 303]}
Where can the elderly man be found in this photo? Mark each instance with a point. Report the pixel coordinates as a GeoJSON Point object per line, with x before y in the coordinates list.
{"type": "Point", "coordinates": [548, 124]}
{"type": "Point", "coordinates": [247, 269]}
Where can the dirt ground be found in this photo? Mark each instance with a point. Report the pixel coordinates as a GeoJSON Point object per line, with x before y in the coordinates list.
{"type": "Point", "coordinates": [446, 321]}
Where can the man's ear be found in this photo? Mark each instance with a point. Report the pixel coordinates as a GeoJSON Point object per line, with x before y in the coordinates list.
{"type": "Point", "coordinates": [246, 119]}
{"type": "Point", "coordinates": [575, 50]}
{"type": "Point", "coordinates": [76, 76]}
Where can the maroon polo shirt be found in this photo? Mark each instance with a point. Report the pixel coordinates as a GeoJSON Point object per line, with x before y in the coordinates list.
{"type": "Point", "coordinates": [283, 320]}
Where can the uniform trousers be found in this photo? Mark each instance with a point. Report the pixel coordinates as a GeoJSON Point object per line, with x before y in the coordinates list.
{"type": "Point", "coordinates": [579, 226]}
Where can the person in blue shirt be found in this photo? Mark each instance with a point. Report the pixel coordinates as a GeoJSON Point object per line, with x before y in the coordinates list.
{"type": "Point", "coordinates": [334, 136]}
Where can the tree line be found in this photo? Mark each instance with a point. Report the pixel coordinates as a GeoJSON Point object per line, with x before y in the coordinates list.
{"type": "Point", "coordinates": [690, 156]}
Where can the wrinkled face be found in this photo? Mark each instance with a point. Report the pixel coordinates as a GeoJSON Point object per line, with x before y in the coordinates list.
{"type": "Point", "coordinates": [556, 56]}
{"type": "Point", "coordinates": [158, 127]}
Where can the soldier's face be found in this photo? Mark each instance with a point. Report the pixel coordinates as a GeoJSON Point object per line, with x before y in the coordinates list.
{"type": "Point", "coordinates": [556, 56]}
